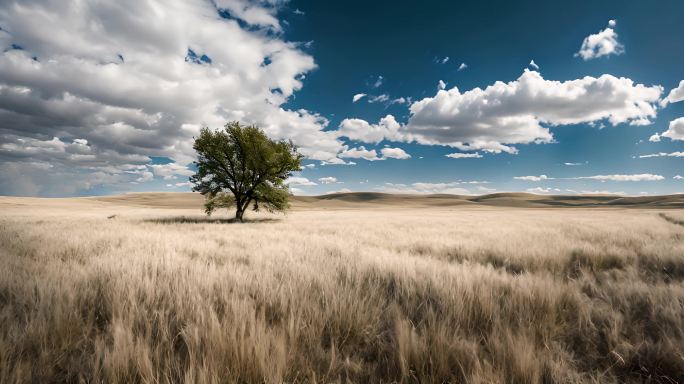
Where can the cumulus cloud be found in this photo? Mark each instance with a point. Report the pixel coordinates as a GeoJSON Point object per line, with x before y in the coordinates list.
{"type": "Point", "coordinates": [678, 177]}
{"type": "Point", "coordinates": [394, 153]}
{"type": "Point", "coordinates": [358, 97]}
{"type": "Point", "coordinates": [171, 171]}
{"type": "Point", "coordinates": [675, 95]}
{"type": "Point", "coordinates": [534, 65]}
{"type": "Point", "coordinates": [145, 176]}
{"type": "Point", "coordinates": [328, 180]}
{"type": "Point", "coordinates": [55, 167]}
{"type": "Point", "coordinates": [533, 178]}
{"type": "Point", "coordinates": [372, 155]}
{"type": "Point", "coordinates": [458, 155]}
{"type": "Point", "coordinates": [360, 153]}
{"type": "Point", "coordinates": [361, 130]}
{"type": "Point", "coordinates": [131, 87]}
{"type": "Point", "coordinates": [504, 114]}
{"type": "Point", "coordinates": [441, 85]}
{"type": "Point", "coordinates": [675, 130]}
{"type": "Point", "coordinates": [301, 181]}
{"type": "Point", "coordinates": [462, 66]}
{"type": "Point", "coordinates": [603, 43]}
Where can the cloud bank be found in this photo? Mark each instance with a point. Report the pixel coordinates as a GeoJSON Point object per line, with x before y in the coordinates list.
{"type": "Point", "coordinates": [502, 115]}
{"type": "Point", "coordinates": [132, 87]}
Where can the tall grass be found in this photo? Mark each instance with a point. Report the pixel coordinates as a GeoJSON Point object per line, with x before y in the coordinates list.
{"type": "Point", "coordinates": [469, 296]}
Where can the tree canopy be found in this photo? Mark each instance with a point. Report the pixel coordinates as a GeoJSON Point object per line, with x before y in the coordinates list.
{"type": "Point", "coordinates": [240, 166]}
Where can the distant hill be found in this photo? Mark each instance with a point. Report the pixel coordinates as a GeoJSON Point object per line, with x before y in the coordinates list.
{"type": "Point", "coordinates": [354, 200]}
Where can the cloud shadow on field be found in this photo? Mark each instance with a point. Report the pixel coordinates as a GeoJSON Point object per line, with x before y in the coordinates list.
{"type": "Point", "coordinates": [206, 220]}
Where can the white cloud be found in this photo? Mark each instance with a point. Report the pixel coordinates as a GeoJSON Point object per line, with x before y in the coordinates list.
{"type": "Point", "coordinates": [462, 66]}
{"type": "Point", "coordinates": [250, 12]}
{"type": "Point", "coordinates": [378, 99]}
{"type": "Point", "coordinates": [678, 177]}
{"type": "Point", "coordinates": [394, 153]}
{"type": "Point", "coordinates": [604, 43]}
{"type": "Point", "coordinates": [55, 167]}
{"type": "Point", "coordinates": [675, 95]}
{"type": "Point", "coordinates": [441, 85]}
{"type": "Point", "coordinates": [171, 171]}
{"type": "Point", "coordinates": [337, 161]}
{"type": "Point", "coordinates": [504, 114]}
{"type": "Point", "coordinates": [372, 155]}
{"type": "Point", "coordinates": [361, 130]}
{"type": "Point", "coordinates": [399, 100]}
{"type": "Point", "coordinates": [358, 97]}
{"type": "Point", "coordinates": [343, 190]}
{"type": "Point", "coordinates": [424, 188]}
{"type": "Point", "coordinates": [485, 189]}
{"type": "Point", "coordinates": [176, 185]}
{"type": "Point", "coordinates": [328, 180]}
{"type": "Point", "coordinates": [612, 23]}
{"type": "Point", "coordinates": [297, 11]}
{"type": "Point", "coordinates": [131, 87]}
{"type": "Point", "coordinates": [543, 191]}
{"type": "Point", "coordinates": [458, 155]}
{"type": "Point", "coordinates": [662, 154]}
{"type": "Point", "coordinates": [533, 65]}
{"type": "Point", "coordinates": [360, 153]}
{"type": "Point", "coordinates": [573, 164]}
{"type": "Point", "coordinates": [377, 82]}
{"type": "Point", "coordinates": [636, 177]}
{"type": "Point", "coordinates": [533, 178]}
{"type": "Point", "coordinates": [302, 181]}
{"type": "Point", "coordinates": [675, 130]}
{"type": "Point", "coordinates": [145, 176]}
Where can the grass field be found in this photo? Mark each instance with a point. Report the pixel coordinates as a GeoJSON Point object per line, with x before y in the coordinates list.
{"type": "Point", "coordinates": [357, 288]}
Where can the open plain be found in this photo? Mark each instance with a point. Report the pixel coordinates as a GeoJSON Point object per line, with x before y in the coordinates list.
{"type": "Point", "coordinates": [507, 288]}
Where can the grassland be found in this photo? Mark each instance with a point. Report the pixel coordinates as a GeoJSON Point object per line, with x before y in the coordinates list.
{"type": "Point", "coordinates": [356, 288]}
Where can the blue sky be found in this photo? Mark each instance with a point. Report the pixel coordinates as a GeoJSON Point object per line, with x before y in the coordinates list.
{"type": "Point", "coordinates": [114, 108]}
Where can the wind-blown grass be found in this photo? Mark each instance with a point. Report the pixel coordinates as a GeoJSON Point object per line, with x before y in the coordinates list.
{"type": "Point", "coordinates": [468, 295]}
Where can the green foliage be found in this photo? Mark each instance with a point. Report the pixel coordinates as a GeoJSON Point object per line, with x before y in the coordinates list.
{"type": "Point", "coordinates": [240, 166]}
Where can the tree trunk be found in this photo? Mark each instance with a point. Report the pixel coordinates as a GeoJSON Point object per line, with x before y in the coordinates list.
{"type": "Point", "coordinates": [238, 214]}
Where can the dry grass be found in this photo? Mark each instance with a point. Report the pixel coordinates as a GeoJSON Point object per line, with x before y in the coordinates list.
{"type": "Point", "coordinates": [472, 295]}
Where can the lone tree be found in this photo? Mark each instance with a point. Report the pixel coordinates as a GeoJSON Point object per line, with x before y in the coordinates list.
{"type": "Point", "coordinates": [239, 165]}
